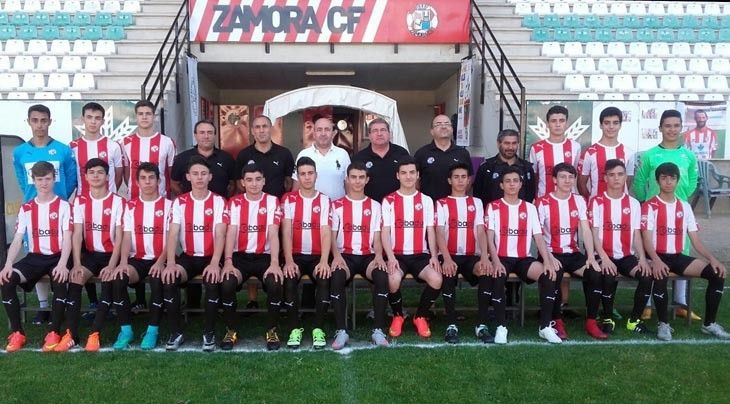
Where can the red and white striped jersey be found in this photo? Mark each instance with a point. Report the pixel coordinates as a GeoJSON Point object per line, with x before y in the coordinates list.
{"type": "Point", "coordinates": [513, 226]}
{"type": "Point", "coordinates": [148, 223]}
{"type": "Point", "coordinates": [44, 224]}
{"type": "Point", "coordinates": [408, 217]}
{"type": "Point", "coordinates": [460, 218]}
{"type": "Point", "coordinates": [197, 220]}
{"type": "Point", "coordinates": [357, 224]}
{"type": "Point", "coordinates": [593, 162]}
{"type": "Point", "coordinates": [308, 216]}
{"type": "Point", "coordinates": [103, 148]}
{"type": "Point", "coordinates": [99, 219]}
{"type": "Point", "coordinates": [669, 223]}
{"type": "Point", "coordinates": [616, 221]}
{"type": "Point", "coordinates": [253, 219]}
{"type": "Point", "coordinates": [703, 142]}
{"type": "Point", "coordinates": [560, 220]}
{"type": "Point", "coordinates": [545, 155]}
{"type": "Point", "coordinates": [157, 149]}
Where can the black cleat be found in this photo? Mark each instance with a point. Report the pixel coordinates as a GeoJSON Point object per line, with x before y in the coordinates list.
{"type": "Point", "coordinates": [452, 334]}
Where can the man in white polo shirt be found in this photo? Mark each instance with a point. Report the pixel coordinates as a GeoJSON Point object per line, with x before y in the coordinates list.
{"type": "Point", "coordinates": [332, 161]}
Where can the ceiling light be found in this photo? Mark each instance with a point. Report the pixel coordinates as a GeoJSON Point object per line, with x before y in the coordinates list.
{"type": "Point", "coordinates": [330, 72]}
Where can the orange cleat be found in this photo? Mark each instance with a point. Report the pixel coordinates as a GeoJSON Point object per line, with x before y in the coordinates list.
{"type": "Point", "coordinates": [560, 328]}
{"type": "Point", "coordinates": [422, 328]}
{"type": "Point", "coordinates": [52, 339]}
{"type": "Point", "coordinates": [67, 342]}
{"type": "Point", "coordinates": [92, 344]}
{"type": "Point", "coordinates": [594, 330]}
{"type": "Point", "coordinates": [16, 341]}
{"type": "Point", "coordinates": [396, 326]}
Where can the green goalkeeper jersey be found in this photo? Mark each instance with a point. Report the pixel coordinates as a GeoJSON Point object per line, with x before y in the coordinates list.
{"type": "Point", "coordinates": [645, 184]}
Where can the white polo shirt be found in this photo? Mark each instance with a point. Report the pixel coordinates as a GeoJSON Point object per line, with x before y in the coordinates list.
{"type": "Point", "coordinates": [331, 170]}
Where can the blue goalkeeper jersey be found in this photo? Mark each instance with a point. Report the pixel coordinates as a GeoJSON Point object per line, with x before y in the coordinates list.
{"type": "Point", "coordinates": [56, 153]}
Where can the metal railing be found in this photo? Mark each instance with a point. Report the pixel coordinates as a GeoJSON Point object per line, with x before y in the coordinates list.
{"type": "Point", "coordinates": [493, 60]}
{"type": "Point", "coordinates": [167, 61]}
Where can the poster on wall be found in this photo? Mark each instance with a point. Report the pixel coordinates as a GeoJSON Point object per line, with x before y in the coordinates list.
{"type": "Point", "coordinates": [233, 128]}
{"type": "Point", "coordinates": [277, 127]}
{"type": "Point", "coordinates": [704, 129]}
{"type": "Point", "coordinates": [463, 126]}
{"type": "Point", "coordinates": [308, 124]}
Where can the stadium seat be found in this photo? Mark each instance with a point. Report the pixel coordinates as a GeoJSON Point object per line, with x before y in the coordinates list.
{"type": "Point", "coordinates": [618, 8]}
{"type": "Point", "coordinates": [713, 97]}
{"type": "Point", "coordinates": [92, 6]}
{"type": "Point", "coordinates": [573, 49]}
{"type": "Point", "coordinates": [92, 33]}
{"type": "Point", "coordinates": [604, 35]}
{"type": "Point", "coordinates": [690, 22]}
{"type": "Point", "coordinates": [541, 35]}
{"type": "Point", "coordinates": [83, 82]}
{"type": "Point", "coordinates": [681, 49]}
{"type": "Point", "coordinates": [81, 19]}
{"type": "Point", "coordinates": [581, 8]}
{"type": "Point", "coordinates": [520, 8]}
{"type": "Point", "coordinates": [671, 21]}
{"type": "Point", "coordinates": [583, 35]}
{"type": "Point", "coordinates": [638, 97]}
{"type": "Point", "coordinates": [40, 19]}
{"type": "Point", "coordinates": [52, 6]}
{"type": "Point", "coordinates": [562, 65]}
{"type": "Point", "coordinates": [33, 82]}
{"type": "Point", "coordinates": [707, 35]}
{"type": "Point", "coordinates": [9, 81]}
{"type": "Point", "coordinates": [58, 82]}
{"type": "Point", "coordinates": [531, 21]}
{"type": "Point", "coordinates": [726, 9]}
{"type": "Point", "coordinates": [631, 66]}
{"type": "Point", "coordinates": [599, 8]}
{"type": "Point", "coordinates": [27, 32]}
{"type": "Point", "coordinates": [686, 35]}
{"type": "Point", "coordinates": [50, 32]}
{"type": "Point", "coordinates": [616, 49]}
{"type": "Point", "coordinates": [711, 22]}
{"type": "Point", "coordinates": [114, 33]}
{"type": "Point", "coordinates": [637, 9]}
{"type": "Point", "coordinates": [624, 35]}
{"type": "Point", "coordinates": [31, 6]}
{"type": "Point", "coordinates": [44, 95]}
{"type": "Point", "coordinates": [676, 66]}
{"type": "Point", "coordinates": [659, 49]}
{"type": "Point", "coordinates": [551, 49]}
{"type": "Point", "coordinates": [647, 83]}
{"type": "Point", "coordinates": [563, 35]}
{"type": "Point", "coordinates": [645, 35]}
{"type": "Point", "coordinates": [20, 19]}
{"type": "Point", "coordinates": [123, 19]}
{"type": "Point", "coordinates": [698, 66]}
{"type": "Point", "coordinates": [654, 66]}
{"type": "Point", "coordinates": [82, 47]}
{"type": "Point", "coordinates": [106, 47]}
{"type": "Point", "coordinates": [670, 82]}
{"type": "Point", "coordinates": [717, 83]}
{"type": "Point", "coordinates": [591, 21]}
{"type": "Point", "coordinates": [540, 8]}
{"type": "Point", "coordinates": [694, 83]}
{"type": "Point", "coordinates": [14, 47]}
{"type": "Point", "coordinates": [4, 63]}
{"type": "Point", "coordinates": [638, 49]}
{"type": "Point", "coordinates": [561, 9]}
{"type": "Point", "coordinates": [37, 47]}
{"type": "Point", "coordinates": [703, 50]}
{"type": "Point", "coordinates": [61, 19]}
{"type": "Point", "coordinates": [60, 47]}
{"type": "Point", "coordinates": [665, 35]}
{"type": "Point", "coordinates": [7, 32]}
{"type": "Point", "coordinates": [585, 66]}
{"type": "Point", "coordinates": [22, 64]}
{"type": "Point", "coordinates": [12, 6]}
{"type": "Point", "coordinates": [95, 64]}
{"type": "Point", "coordinates": [608, 65]}
{"type": "Point", "coordinates": [588, 96]}
{"type": "Point", "coordinates": [724, 35]}
{"type": "Point", "coordinates": [573, 82]}
{"type": "Point", "coordinates": [103, 19]}
{"type": "Point", "coordinates": [71, 64]}
{"type": "Point", "coordinates": [4, 18]}
{"type": "Point", "coordinates": [17, 95]}
{"type": "Point", "coordinates": [663, 97]}
{"type": "Point", "coordinates": [713, 9]}
{"type": "Point", "coordinates": [599, 83]}
{"type": "Point", "coordinates": [610, 21]}
{"type": "Point", "coordinates": [613, 97]}
{"type": "Point", "coordinates": [693, 9]}
{"type": "Point", "coordinates": [672, 9]}
{"type": "Point", "coordinates": [722, 50]}
{"type": "Point", "coordinates": [595, 49]}
{"type": "Point", "coordinates": [112, 6]}
{"type": "Point", "coordinates": [633, 21]}
{"type": "Point", "coordinates": [652, 21]}
{"type": "Point", "coordinates": [724, 22]}
{"type": "Point", "coordinates": [47, 64]}
{"type": "Point", "coordinates": [71, 6]}
{"type": "Point", "coordinates": [71, 95]}
{"type": "Point", "coordinates": [688, 97]}
{"type": "Point", "coordinates": [720, 66]}
{"type": "Point", "coordinates": [623, 83]}
{"type": "Point", "coordinates": [71, 33]}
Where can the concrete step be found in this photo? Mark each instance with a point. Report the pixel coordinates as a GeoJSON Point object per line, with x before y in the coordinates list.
{"type": "Point", "coordinates": [165, 7]}
{"type": "Point", "coordinates": [495, 7]}
{"type": "Point", "coordinates": [135, 33]}
{"type": "Point", "coordinates": [139, 47]}
{"type": "Point", "coordinates": [153, 20]}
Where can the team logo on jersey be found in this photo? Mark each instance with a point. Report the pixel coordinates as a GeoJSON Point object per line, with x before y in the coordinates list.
{"type": "Point", "coordinates": [644, 219]}
{"type": "Point", "coordinates": [422, 20]}
{"type": "Point", "coordinates": [53, 215]}
{"type": "Point", "coordinates": [52, 152]}
{"type": "Point", "coordinates": [366, 212]}
{"type": "Point", "coordinates": [316, 209]}
{"type": "Point", "coordinates": [159, 213]}
{"type": "Point", "coordinates": [430, 160]}
{"type": "Point", "coordinates": [418, 206]}
{"type": "Point", "coordinates": [262, 211]}
{"type": "Point", "coordinates": [208, 212]}
{"type": "Point", "coordinates": [251, 162]}
{"type": "Point", "coordinates": [626, 211]}
{"type": "Point", "coordinates": [471, 208]}
{"type": "Point", "coordinates": [573, 213]}
{"type": "Point", "coordinates": [107, 212]}
{"type": "Point", "coordinates": [523, 215]}
{"type": "Point", "coordinates": [102, 154]}
{"type": "Point", "coordinates": [495, 176]}
{"type": "Point", "coordinates": [154, 149]}
{"type": "Point", "coordinates": [369, 165]}
{"type": "Point", "coordinates": [568, 154]}
{"type": "Point", "coordinates": [680, 214]}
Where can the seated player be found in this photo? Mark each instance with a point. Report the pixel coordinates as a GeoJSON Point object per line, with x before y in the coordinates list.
{"type": "Point", "coordinates": [462, 241]}
{"type": "Point", "coordinates": [46, 222]}
{"type": "Point", "coordinates": [146, 220]}
{"type": "Point", "coordinates": [666, 223]}
{"type": "Point", "coordinates": [252, 249]}
{"type": "Point", "coordinates": [357, 250]}
{"type": "Point", "coordinates": [562, 214]}
{"type": "Point", "coordinates": [615, 217]}
{"type": "Point", "coordinates": [512, 225]}
{"type": "Point", "coordinates": [306, 234]}
{"type": "Point", "coordinates": [97, 244]}
{"type": "Point", "coordinates": [409, 242]}
{"type": "Point", "coordinates": [197, 224]}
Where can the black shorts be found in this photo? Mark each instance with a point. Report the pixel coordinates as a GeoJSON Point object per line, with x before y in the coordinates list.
{"type": "Point", "coordinates": [306, 264]}
{"type": "Point", "coordinates": [192, 265]}
{"type": "Point", "coordinates": [35, 266]}
{"type": "Point", "coordinates": [465, 266]}
{"type": "Point", "coordinates": [141, 266]}
{"type": "Point", "coordinates": [251, 265]}
{"type": "Point", "coordinates": [677, 263]}
{"type": "Point", "coordinates": [571, 262]}
{"type": "Point", "coordinates": [358, 264]}
{"type": "Point", "coordinates": [413, 264]}
{"type": "Point", "coordinates": [95, 261]}
{"type": "Point", "coordinates": [519, 266]}
{"type": "Point", "coordinates": [626, 264]}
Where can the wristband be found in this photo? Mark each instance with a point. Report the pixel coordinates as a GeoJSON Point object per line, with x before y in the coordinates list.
{"type": "Point", "coordinates": [228, 258]}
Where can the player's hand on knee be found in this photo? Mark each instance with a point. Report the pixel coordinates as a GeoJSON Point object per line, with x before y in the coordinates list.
{"type": "Point", "coordinates": [378, 263]}
{"type": "Point", "coordinates": [435, 264]}
{"type": "Point", "coordinates": [291, 270]}
{"type": "Point", "coordinates": [720, 269]}
{"type": "Point", "coordinates": [227, 271]}
{"type": "Point", "coordinates": [212, 273]}
{"type": "Point", "coordinates": [323, 270]}
{"type": "Point", "coordinates": [659, 269]}
{"type": "Point", "coordinates": [156, 269]}
{"type": "Point", "coordinates": [276, 272]}
{"type": "Point", "coordinates": [393, 266]}
{"type": "Point", "coordinates": [593, 264]}
{"type": "Point", "coordinates": [449, 267]}
{"type": "Point", "coordinates": [339, 263]}
{"type": "Point", "coordinates": [645, 268]}
{"type": "Point", "coordinates": [106, 274]}
{"type": "Point", "coordinates": [608, 267]}
{"type": "Point", "coordinates": [5, 274]}
{"type": "Point", "coordinates": [60, 273]}
{"type": "Point", "coordinates": [498, 269]}
{"type": "Point", "coordinates": [169, 274]}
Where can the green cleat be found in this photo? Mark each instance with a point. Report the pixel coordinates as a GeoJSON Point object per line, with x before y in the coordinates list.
{"type": "Point", "coordinates": [295, 338]}
{"type": "Point", "coordinates": [319, 340]}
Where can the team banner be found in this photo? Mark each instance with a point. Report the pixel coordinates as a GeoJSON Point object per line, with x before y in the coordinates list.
{"type": "Point", "coordinates": [463, 123]}
{"type": "Point", "coordinates": [330, 21]}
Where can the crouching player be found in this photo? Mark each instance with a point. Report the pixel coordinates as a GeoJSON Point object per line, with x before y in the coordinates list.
{"type": "Point", "coordinates": [666, 223]}
{"type": "Point", "coordinates": [46, 221]}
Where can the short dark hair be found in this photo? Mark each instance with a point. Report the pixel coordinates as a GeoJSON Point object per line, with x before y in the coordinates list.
{"type": "Point", "coordinates": [507, 132]}
{"type": "Point", "coordinates": [358, 165]}
{"type": "Point", "coordinates": [202, 121]}
{"type": "Point", "coordinates": [560, 167]}
{"type": "Point", "coordinates": [317, 117]}
{"type": "Point", "coordinates": [41, 169]}
{"type": "Point", "coordinates": [405, 161]}
{"type": "Point", "coordinates": [557, 109]}
{"type": "Point", "coordinates": [668, 169]}
{"type": "Point", "coordinates": [511, 170]}
{"type": "Point", "coordinates": [93, 106]}
{"type": "Point", "coordinates": [144, 103]}
{"type": "Point", "coordinates": [460, 166]}
{"type": "Point", "coordinates": [197, 160]}
{"type": "Point", "coordinates": [700, 111]}
{"type": "Point", "coordinates": [97, 162]}
{"type": "Point", "coordinates": [613, 163]}
{"type": "Point", "coordinates": [378, 121]}
{"type": "Point", "coordinates": [251, 168]}
{"type": "Point", "coordinates": [670, 113]}
{"type": "Point", "coordinates": [262, 116]}
{"type": "Point", "coordinates": [148, 167]}
{"type": "Point", "coordinates": [611, 111]}
{"type": "Point", "coordinates": [39, 108]}
{"type": "Point", "coordinates": [306, 161]}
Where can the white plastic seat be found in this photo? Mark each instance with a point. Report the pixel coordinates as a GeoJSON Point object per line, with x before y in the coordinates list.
{"type": "Point", "coordinates": [106, 47]}
{"type": "Point", "coordinates": [14, 47]}
{"type": "Point", "coordinates": [703, 50]}
{"type": "Point", "coordinates": [613, 97]}
{"type": "Point", "coordinates": [575, 82]}
{"type": "Point", "coordinates": [608, 65]}
{"type": "Point", "coordinates": [133, 6]}
{"type": "Point", "coordinates": [22, 64]}
{"type": "Point", "coordinates": [585, 65]}
{"type": "Point", "coordinates": [550, 49]}
{"type": "Point", "coordinates": [561, 8]}
{"type": "Point", "coordinates": [47, 64]}
{"type": "Point", "coordinates": [655, 8]}
{"type": "Point", "coordinates": [616, 49]}
{"type": "Point", "coordinates": [720, 66]}
{"type": "Point", "coordinates": [112, 6]}
{"type": "Point", "coordinates": [95, 64]}
{"type": "Point", "coordinates": [654, 66]}
{"type": "Point", "coordinates": [637, 8]}
{"type": "Point", "coordinates": [588, 96]}
{"type": "Point", "coordinates": [694, 9]}
{"type": "Point", "coordinates": [647, 83]}
{"type": "Point", "coordinates": [562, 65]}
{"type": "Point", "coordinates": [4, 63]}
{"type": "Point", "coordinates": [623, 83]}
{"type": "Point", "coordinates": [694, 83]}
{"type": "Point", "coordinates": [83, 82]}
{"type": "Point", "coordinates": [698, 66]}
{"type": "Point", "coordinates": [681, 49]}
{"type": "Point", "coordinates": [631, 65]}
{"type": "Point", "coordinates": [31, 6]}
{"type": "Point", "coordinates": [670, 82]}
{"type": "Point", "coordinates": [659, 49]}
{"type": "Point", "coordinates": [573, 49]}
{"type": "Point", "coordinates": [599, 83]}
{"type": "Point", "coordinates": [92, 6]}
{"type": "Point", "coordinates": [58, 82]}
{"type": "Point", "coordinates": [9, 81]}
{"type": "Point", "coordinates": [599, 9]}
{"type": "Point", "coordinates": [676, 65]}
{"type": "Point", "coordinates": [17, 95]}
{"type": "Point", "coordinates": [595, 49]}
{"type": "Point", "coordinates": [33, 82]}
{"type": "Point", "coordinates": [12, 6]}
{"type": "Point", "coordinates": [37, 47]}
{"type": "Point", "coordinates": [638, 97]}
{"type": "Point", "coordinates": [726, 9]}
{"type": "Point", "coordinates": [60, 47]}
{"type": "Point", "coordinates": [663, 97]}
{"type": "Point", "coordinates": [520, 8]}
{"type": "Point", "coordinates": [672, 9]}
{"type": "Point", "coordinates": [618, 9]}
{"type": "Point", "coordinates": [581, 8]}
{"type": "Point", "coordinates": [52, 6]}
{"type": "Point", "coordinates": [44, 95]}
{"type": "Point", "coordinates": [70, 95]}
{"type": "Point", "coordinates": [542, 8]}
{"type": "Point", "coordinates": [688, 97]}
{"type": "Point", "coordinates": [722, 50]}
{"type": "Point", "coordinates": [82, 47]}
{"type": "Point", "coordinates": [712, 9]}
{"type": "Point", "coordinates": [713, 97]}
{"type": "Point", "coordinates": [70, 64]}
{"type": "Point", "coordinates": [71, 6]}
{"type": "Point", "coordinates": [717, 83]}
{"type": "Point", "coordinates": [638, 49]}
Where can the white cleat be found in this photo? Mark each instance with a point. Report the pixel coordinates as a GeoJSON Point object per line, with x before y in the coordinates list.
{"type": "Point", "coordinates": [716, 330]}
{"type": "Point", "coordinates": [550, 335]}
{"type": "Point", "coordinates": [500, 336]}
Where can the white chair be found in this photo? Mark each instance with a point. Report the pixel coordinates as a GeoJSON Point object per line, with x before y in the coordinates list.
{"type": "Point", "coordinates": [575, 82]}
{"type": "Point", "coordinates": [70, 95]}
{"type": "Point", "coordinates": [726, 9]}
{"type": "Point", "coordinates": [106, 47]}
{"type": "Point", "coordinates": [17, 95]}
{"type": "Point", "coordinates": [22, 64]}
{"type": "Point", "coordinates": [562, 65]}
{"type": "Point", "coordinates": [655, 8]}
{"type": "Point", "coordinates": [92, 6]}
{"type": "Point", "coordinates": [71, 6]}
{"type": "Point", "coordinates": [670, 82]}
{"type": "Point", "coordinates": [615, 49]}
{"type": "Point", "coordinates": [550, 49]}
{"type": "Point", "coordinates": [659, 49]}
{"type": "Point", "coordinates": [82, 47]}
{"type": "Point", "coordinates": [712, 9]}
{"type": "Point", "coordinates": [573, 49]}
{"type": "Point", "coordinates": [676, 65]}
{"type": "Point", "coordinates": [637, 8]}
{"type": "Point", "coordinates": [688, 97]}
{"type": "Point", "coordinates": [654, 66]}
{"type": "Point", "coordinates": [698, 66]}
{"type": "Point", "coordinates": [112, 6]}
{"type": "Point", "coordinates": [722, 50]}
{"type": "Point", "coordinates": [71, 64]}
{"type": "Point", "coordinates": [608, 65]}
{"type": "Point", "coordinates": [44, 95]}
{"type": "Point", "coordinates": [542, 8]}
{"type": "Point", "coordinates": [9, 81]}
{"type": "Point", "coordinates": [33, 82]}
{"type": "Point", "coordinates": [595, 49]}
{"type": "Point", "coordinates": [639, 97]}
{"type": "Point", "coordinates": [713, 97]}
{"type": "Point", "coordinates": [720, 66]}
{"type": "Point", "coordinates": [37, 47]}
{"type": "Point", "coordinates": [631, 66]}
{"type": "Point", "coordinates": [647, 83]}
{"type": "Point", "coordinates": [599, 83]}
{"type": "Point", "coordinates": [561, 8]}
{"type": "Point", "coordinates": [31, 6]}
{"type": "Point", "coordinates": [672, 9]}
{"type": "Point", "coordinates": [613, 97]}
{"type": "Point", "coordinates": [663, 97]}
{"type": "Point", "coordinates": [588, 96]}
{"type": "Point", "coordinates": [520, 8]}
{"type": "Point", "coordinates": [599, 9]}
{"type": "Point", "coordinates": [638, 49]}
{"type": "Point", "coordinates": [703, 50]}
{"type": "Point", "coordinates": [12, 6]}
{"type": "Point", "coordinates": [717, 83]}
{"type": "Point", "coordinates": [52, 6]}
{"type": "Point", "coordinates": [585, 65]}
{"type": "Point", "coordinates": [623, 83]}
{"type": "Point", "coordinates": [47, 64]}
{"type": "Point", "coordinates": [694, 83]}
{"type": "Point", "coordinates": [681, 50]}
{"type": "Point", "coordinates": [14, 47]}
{"type": "Point", "coordinates": [618, 9]}
{"type": "Point", "coordinates": [83, 82]}
{"type": "Point", "coordinates": [58, 82]}
{"type": "Point", "coordinates": [60, 47]}
{"type": "Point", "coordinates": [95, 64]}
{"type": "Point", "coordinates": [581, 8]}
{"type": "Point", "coordinates": [4, 63]}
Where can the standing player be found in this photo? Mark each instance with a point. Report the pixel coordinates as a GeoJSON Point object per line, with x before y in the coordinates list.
{"type": "Point", "coordinates": [146, 145]}
{"type": "Point", "coordinates": [562, 215]}
{"type": "Point", "coordinates": [666, 223]}
{"type": "Point", "coordinates": [701, 140]}
{"type": "Point", "coordinates": [546, 153]}
{"type": "Point", "coordinates": [357, 249]}
{"type": "Point", "coordinates": [252, 249]}
{"type": "Point", "coordinates": [306, 234]}
{"type": "Point", "coordinates": [615, 217]}
{"type": "Point", "coordinates": [512, 225]}
{"type": "Point", "coordinates": [197, 224]}
{"type": "Point", "coordinates": [462, 241]}
{"type": "Point", "coordinates": [409, 242]}
{"type": "Point", "coordinates": [146, 221]}
{"type": "Point", "coordinates": [98, 225]}
{"type": "Point", "coordinates": [46, 222]}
